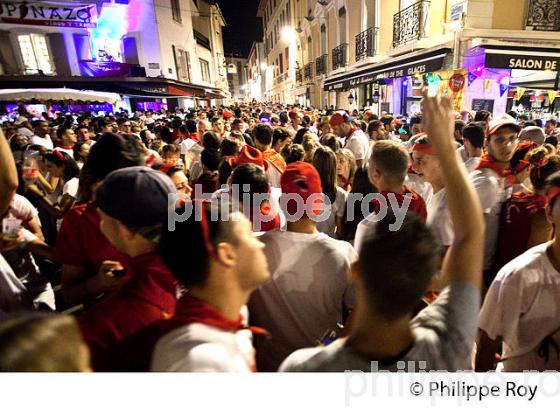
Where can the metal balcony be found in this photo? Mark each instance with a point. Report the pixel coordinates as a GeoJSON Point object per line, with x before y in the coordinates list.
{"type": "Point", "coordinates": [308, 72]}
{"type": "Point", "coordinates": [365, 44]}
{"type": "Point", "coordinates": [299, 76]}
{"type": "Point", "coordinates": [321, 64]}
{"type": "Point", "coordinates": [544, 15]}
{"type": "Point", "coordinates": [340, 56]}
{"type": "Point", "coordinates": [411, 23]}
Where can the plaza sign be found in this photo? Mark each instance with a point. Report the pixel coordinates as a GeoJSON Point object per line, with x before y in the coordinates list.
{"type": "Point", "coordinates": [48, 14]}
{"type": "Point", "coordinates": [513, 60]}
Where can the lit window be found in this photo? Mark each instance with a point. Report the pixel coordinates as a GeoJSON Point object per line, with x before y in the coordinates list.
{"type": "Point", "coordinates": [35, 54]}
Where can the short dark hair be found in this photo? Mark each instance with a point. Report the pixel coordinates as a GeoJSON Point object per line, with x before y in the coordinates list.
{"type": "Point", "coordinates": [191, 125]}
{"type": "Point", "coordinates": [331, 141]}
{"type": "Point", "coordinates": [252, 175]}
{"type": "Point", "coordinates": [262, 133]}
{"type": "Point", "coordinates": [395, 276]}
{"type": "Point", "coordinates": [552, 140]}
{"type": "Point", "coordinates": [186, 242]}
{"type": "Point", "coordinates": [474, 133]}
{"type": "Point", "coordinates": [109, 153]}
{"type": "Point", "coordinates": [210, 158]}
{"type": "Point", "coordinates": [229, 147]}
{"type": "Point", "coordinates": [170, 149]}
{"type": "Point", "coordinates": [211, 140]}
{"type": "Point", "coordinates": [482, 115]}
{"type": "Point", "coordinates": [459, 125]}
{"type": "Point", "coordinates": [279, 134]}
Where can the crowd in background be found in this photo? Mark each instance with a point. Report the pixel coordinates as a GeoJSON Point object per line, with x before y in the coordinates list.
{"type": "Point", "coordinates": [92, 278]}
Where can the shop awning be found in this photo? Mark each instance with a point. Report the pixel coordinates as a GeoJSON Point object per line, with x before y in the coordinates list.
{"type": "Point", "coordinates": [58, 94]}
{"type": "Point", "coordinates": [138, 87]}
{"type": "Point", "coordinates": [409, 64]}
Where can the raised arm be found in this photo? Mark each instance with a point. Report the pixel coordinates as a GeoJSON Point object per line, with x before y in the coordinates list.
{"type": "Point", "coordinates": [8, 174]}
{"type": "Point", "coordinates": [463, 260]}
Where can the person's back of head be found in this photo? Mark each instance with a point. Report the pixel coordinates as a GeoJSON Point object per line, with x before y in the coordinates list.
{"type": "Point", "coordinates": [293, 153]}
{"type": "Point", "coordinates": [543, 164]}
{"type": "Point", "coordinates": [211, 140]}
{"type": "Point", "coordinates": [324, 161]}
{"type": "Point", "coordinates": [397, 265]}
{"type": "Point", "coordinates": [190, 124]}
{"type": "Point", "coordinates": [474, 133]}
{"type": "Point", "coordinates": [109, 153]}
{"type": "Point", "coordinates": [391, 160]}
{"type": "Point", "coordinates": [210, 158]}
{"type": "Point", "coordinates": [229, 147]}
{"type": "Point", "coordinates": [482, 115]}
{"type": "Point", "coordinates": [331, 141]}
{"type": "Point", "coordinates": [251, 175]}
{"type": "Point", "coordinates": [262, 134]}
{"type": "Point", "coordinates": [552, 140]}
{"type": "Point", "coordinates": [298, 138]}
{"type": "Point", "coordinates": [42, 342]}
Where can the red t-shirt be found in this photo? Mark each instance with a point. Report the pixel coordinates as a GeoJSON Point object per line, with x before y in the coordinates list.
{"type": "Point", "coordinates": [417, 203]}
{"type": "Point", "coordinates": [149, 296]}
{"type": "Point", "coordinates": [515, 225]}
{"type": "Point", "coordinates": [81, 243]}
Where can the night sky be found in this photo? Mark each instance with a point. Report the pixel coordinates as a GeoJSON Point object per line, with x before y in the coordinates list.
{"type": "Point", "coordinates": [243, 26]}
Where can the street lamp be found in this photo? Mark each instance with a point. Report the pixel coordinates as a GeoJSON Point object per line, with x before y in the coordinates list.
{"type": "Point", "coordinates": [288, 34]}
{"type": "Point", "coordinates": [351, 98]}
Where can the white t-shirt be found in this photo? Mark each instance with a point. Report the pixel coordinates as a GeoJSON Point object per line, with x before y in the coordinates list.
{"type": "Point", "coordinates": [44, 142]}
{"type": "Point", "coordinates": [22, 209]}
{"type": "Point", "coordinates": [358, 143]}
{"type": "Point", "coordinates": [13, 295]}
{"type": "Point", "coordinates": [415, 183]}
{"type": "Point", "coordinates": [274, 176]}
{"type": "Point", "coordinates": [471, 163]}
{"type": "Point", "coordinates": [305, 296]}
{"type": "Point", "coordinates": [523, 307]}
{"type": "Point", "coordinates": [71, 188]}
{"type": "Point", "coordinates": [68, 151]}
{"type": "Point", "coordinates": [439, 219]}
{"type": "Point", "coordinates": [492, 194]}
{"type": "Point", "coordinates": [444, 335]}
{"type": "Point", "coordinates": [186, 145]}
{"type": "Point", "coordinates": [201, 348]}
{"type": "Point", "coordinates": [335, 210]}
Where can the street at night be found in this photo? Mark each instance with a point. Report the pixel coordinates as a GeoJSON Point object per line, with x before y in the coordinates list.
{"type": "Point", "coordinates": [348, 187]}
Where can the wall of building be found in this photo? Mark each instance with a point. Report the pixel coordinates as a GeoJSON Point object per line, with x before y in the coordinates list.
{"type": "Point", "coordinates": [510, 14]}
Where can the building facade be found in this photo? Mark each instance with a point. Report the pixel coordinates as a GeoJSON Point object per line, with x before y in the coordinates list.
{"type": "Point", "coordinates": [351, 54]}
{"type": "Point", "coordinates": [256, 70]}
{"type": "Point", "coordinates": [153, 52]}
{"type": "Point", "coordinates": [237, 78]}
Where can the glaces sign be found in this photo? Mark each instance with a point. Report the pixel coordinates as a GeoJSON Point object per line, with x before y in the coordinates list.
{"type": "Point", "coordinates": [48, 14]}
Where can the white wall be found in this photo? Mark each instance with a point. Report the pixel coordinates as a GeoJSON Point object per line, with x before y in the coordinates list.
{"type": "Point", "coordinates": [173, 33]}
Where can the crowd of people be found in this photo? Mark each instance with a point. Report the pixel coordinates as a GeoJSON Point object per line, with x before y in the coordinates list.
{"type": "Point", "coordinates": [158, 241]}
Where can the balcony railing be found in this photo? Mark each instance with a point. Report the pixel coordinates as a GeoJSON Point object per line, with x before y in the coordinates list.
{"type": "Point", "coordinates": [544, 15]}
{"type": "Point", "coordinates": [308, 72]}
{"type": "Point", "coordinates": [340, 56]}
{"type": "Point", "coordinates": [365, 44]}
{"type": "Point", "coordinates": [321, 64]}
{"type": "Point", "coordinates": [299, 76]}
{"type": "Point", "coordinates": [280, 78]}
{"type": "Point", "coordinates": [411, 23]}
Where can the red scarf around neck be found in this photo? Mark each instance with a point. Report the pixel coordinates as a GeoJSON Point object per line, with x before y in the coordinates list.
{"type": "Point", "coordinates": [486, 161]}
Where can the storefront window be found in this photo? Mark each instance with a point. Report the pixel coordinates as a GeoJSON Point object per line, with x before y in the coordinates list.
{"type": "Point", "coordinates": [35, 54]}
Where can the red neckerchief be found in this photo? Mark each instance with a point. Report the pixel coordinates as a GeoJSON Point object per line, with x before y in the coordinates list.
{"type": "Point", "coordinates": [275, 159]}
{"type": "Point", "coordinates": [417, 203]}
{"type": "Point", "coordinates": [65, 146]}
{"type": "Point", "coordinates": [486, 161]}
{"type": "Point", "coordinates": [193, 310]}
{"type": "Point", "coordinates": [270, 225]}
{"type": "Point", "coordinates": [194, 136]}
